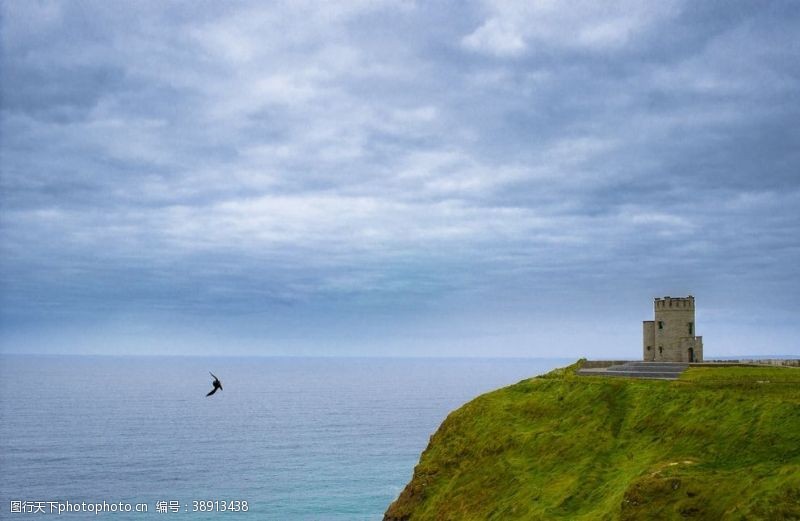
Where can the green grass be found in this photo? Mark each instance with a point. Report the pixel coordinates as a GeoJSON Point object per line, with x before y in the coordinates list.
{"type": "Point", "coordinates": [720, 443]}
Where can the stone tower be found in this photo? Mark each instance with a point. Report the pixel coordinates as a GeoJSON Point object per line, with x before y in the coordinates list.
{"type": "Point", "coordinates": [671, 336]}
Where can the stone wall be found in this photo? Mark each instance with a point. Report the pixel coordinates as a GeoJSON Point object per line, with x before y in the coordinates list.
{"type": "Point", "coordinates": [648, 340]}
{"type": "Point", "coordinates": [673, 338]}
{"type": "Point", "coordinates": [599, 364]}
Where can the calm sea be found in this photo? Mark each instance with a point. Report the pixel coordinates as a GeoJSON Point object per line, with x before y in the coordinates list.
{"type": "Point", "coordinates": [297, 438]}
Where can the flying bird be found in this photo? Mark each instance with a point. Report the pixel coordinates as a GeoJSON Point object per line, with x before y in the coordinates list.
{"type": "Point", "coordinates": [217, 385]}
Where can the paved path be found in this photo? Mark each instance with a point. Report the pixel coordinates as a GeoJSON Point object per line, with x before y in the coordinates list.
{"type": "Point", "coordinates": [660, 370]}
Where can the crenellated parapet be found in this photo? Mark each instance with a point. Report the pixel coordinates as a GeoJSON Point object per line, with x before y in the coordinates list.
{"type": "Point", "coordinates": [676, 303]}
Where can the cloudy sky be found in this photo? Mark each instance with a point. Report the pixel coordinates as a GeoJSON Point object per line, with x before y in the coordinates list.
{"type": "Point", "coordinates": [397, 178]}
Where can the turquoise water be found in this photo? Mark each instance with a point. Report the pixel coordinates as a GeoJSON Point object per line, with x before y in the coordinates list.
{"type": "Point", "coordinates": [297, 438]}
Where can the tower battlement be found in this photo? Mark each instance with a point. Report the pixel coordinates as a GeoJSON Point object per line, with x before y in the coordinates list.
{"type": "Point", "coordinates": [667, 303]}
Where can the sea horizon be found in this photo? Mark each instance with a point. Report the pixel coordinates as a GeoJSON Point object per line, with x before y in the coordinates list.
{"type": "Point", "coordinates": [379, 357]}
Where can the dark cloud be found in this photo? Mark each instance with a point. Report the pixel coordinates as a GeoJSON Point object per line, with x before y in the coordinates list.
{"type": "Point", "coordinates": [396, 177]}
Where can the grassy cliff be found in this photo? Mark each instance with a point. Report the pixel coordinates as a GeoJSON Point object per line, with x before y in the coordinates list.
{"type": "Point", "coordinates": [720, 443]}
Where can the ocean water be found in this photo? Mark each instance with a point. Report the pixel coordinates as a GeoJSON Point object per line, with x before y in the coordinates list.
{"type": "Point", "coordinates": [296, 438]}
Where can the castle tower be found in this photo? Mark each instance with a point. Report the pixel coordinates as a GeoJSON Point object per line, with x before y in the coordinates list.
{"type": "Point", "coordinates": [671, 336]}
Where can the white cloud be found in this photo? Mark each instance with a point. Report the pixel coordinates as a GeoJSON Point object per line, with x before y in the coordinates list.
{"type": "Point", "coordinates": [496, 36]}
{"type": "Point", "coordinates": [514, 27]}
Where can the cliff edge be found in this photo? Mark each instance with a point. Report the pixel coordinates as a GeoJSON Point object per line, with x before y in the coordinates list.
{"type": "Point", "coordinates": [718, 443]}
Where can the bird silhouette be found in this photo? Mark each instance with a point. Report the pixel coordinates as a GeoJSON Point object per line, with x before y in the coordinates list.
{"type": "Point", "coordinates": [217, 384]}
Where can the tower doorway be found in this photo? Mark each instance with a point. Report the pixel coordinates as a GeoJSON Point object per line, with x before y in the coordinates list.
{"type": "Point", "coordinates": [691, 355]}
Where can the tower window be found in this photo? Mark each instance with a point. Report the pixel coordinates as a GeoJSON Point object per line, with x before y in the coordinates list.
{"type": "Point", "coordinates": [691, 328]}
{"type": "Point", "coordinates": [649, 348]}
{"type": "Point", "coordinates": [660, 325]}
{"type": "Point", "coordinates": [660, 349]}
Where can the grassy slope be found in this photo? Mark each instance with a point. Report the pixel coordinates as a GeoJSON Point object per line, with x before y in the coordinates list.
{"type": "Point", "coordinates": [720, 443]}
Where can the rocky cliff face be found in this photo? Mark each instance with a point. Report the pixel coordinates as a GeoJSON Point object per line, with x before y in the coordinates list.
{"type": "Point", "coordinates": [720, 443]}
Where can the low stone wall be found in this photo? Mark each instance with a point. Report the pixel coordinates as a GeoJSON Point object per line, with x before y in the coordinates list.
{"type": "Point", "coordinates": [599, 364]}
{"type": "Point", "coordinates": [789, 362]}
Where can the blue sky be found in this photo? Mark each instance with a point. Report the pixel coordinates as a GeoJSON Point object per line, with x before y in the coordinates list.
{"type": "Point", "coordinates": [397, 178]}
